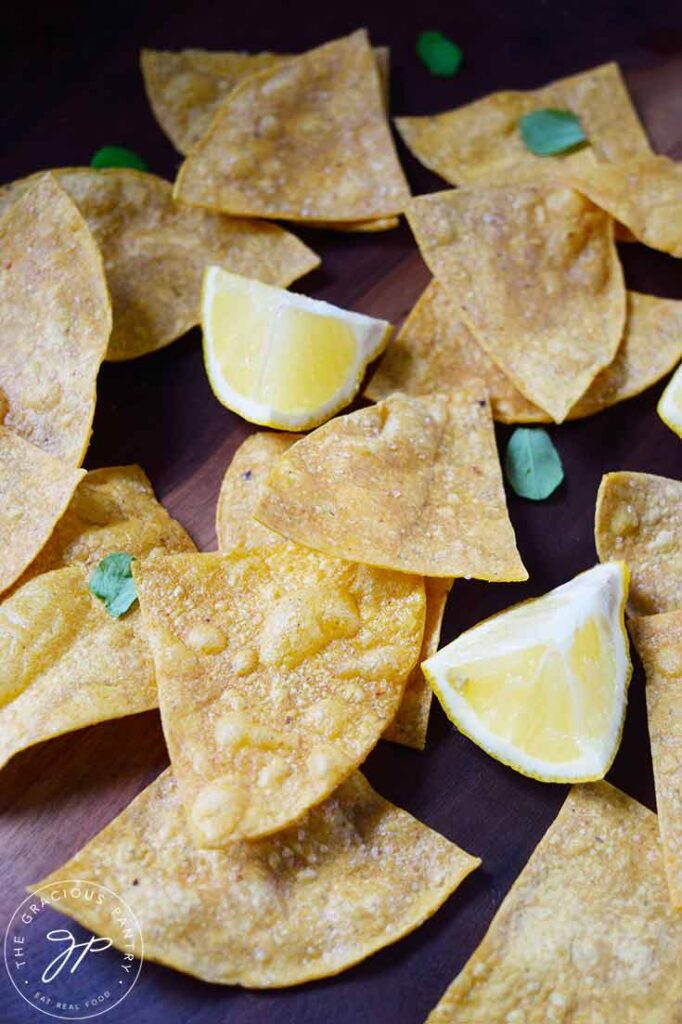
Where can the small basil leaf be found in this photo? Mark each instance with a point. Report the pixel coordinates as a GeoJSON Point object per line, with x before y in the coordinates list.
{"type": "Point", "coordinates": [112, 582]}
{"type": "Point", "coordinates": [532, 464]}
{"type": "Point", "coordinates": [441, 56]}
{"type": "Point", "coordinates": [117, 156]}
{"type": "Point", "coordinates": [549, 132]}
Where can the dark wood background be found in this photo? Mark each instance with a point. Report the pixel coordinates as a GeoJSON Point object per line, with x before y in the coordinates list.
{"type": "Point", "coordinates": [71, 84]}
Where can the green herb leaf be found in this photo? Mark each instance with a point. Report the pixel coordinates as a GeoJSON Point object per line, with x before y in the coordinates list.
{"type": "Point", "coordinates": [532, 464]}
{"type": "Point", "coordinates": [117, 156]}
{"type": "Point", "coordinates": [441, 56]}
{"type": "Point", "coordinates": [112, 582]}
{"type": "Point", "coordinates": [548, 132]}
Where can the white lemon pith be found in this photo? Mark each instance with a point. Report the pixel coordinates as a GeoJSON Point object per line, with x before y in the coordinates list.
{"type": "Point", "coordinates": [281, 359]}
{"type": "Point", "coordinates": [669, 406]}
{"type": "Point", "coordinates": [542, 686]}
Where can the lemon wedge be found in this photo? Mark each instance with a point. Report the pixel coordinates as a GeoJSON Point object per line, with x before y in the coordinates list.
{"type": "Point", "coordinates": [542, 686]}
{"type": "Point", "coordinates": [669, 406]}
{"type": "Point", "coordinates": [280, 359]}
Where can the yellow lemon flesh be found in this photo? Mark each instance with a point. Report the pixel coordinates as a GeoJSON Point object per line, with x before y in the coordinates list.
{"type": "Point", "coordinates": [542, 686]}
{"type": "Point", "coordinates": [669, 406]}
{"type": "Point", "coordinates": [280, 359]}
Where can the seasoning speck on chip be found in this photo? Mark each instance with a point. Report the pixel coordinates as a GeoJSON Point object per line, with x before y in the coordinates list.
{"type": "Point", "coordinates": [658, 639]}
{"type": "Point", "coordinates": [409, 484]}
{"type": "Point", "coordinates": [278, 671]}
{"type": "Point", "coordinates": [639, 519]}
{"type": "Point", "coordinates": [586, 932]}
{"type": "Point", "coordinates": [536, 277]}
{"type": "Point", "coordinates": [352, 876]}
{"type": "Point", "coordinates": [305, 140]}
{"type": "Point", "coordinates": [55, 319]}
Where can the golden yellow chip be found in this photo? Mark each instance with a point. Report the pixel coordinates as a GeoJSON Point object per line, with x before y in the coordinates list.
{"type": "Point", "coordinates": [586, 932]}
{"type": "Point", "coordinates": [112, 509]}
{"type": "Point", "coordinates": [638, 520]}
{"type": "Point", "coordinates": [435, 351]}
{"type": "Point", "coordinates": [155, 252]}
{"type": "Point", "coordinates": [410, 725]}
{"type": "Point", "coordinates": [277, 673]}
{"type": "Point", "coordinates": [236, 528]}
{"type": "Point", "coordinates": [536, 277]}
{"type": "Point", "coordinates": [35, 489]}
{"type": "Point", "coordinates": [66, 663]}
{"type": "Point", "coordinates": [658, 639]}
{"type": "Point", "coordinates": [482, 140]}
{"type": "Point", "coordinates": [411, 484]}
{"type": "Point", "coordinates": [186, 88]}
{"type": "Point", "coordinates": [55, 320]}
{"type": "Point", "coordinates": [354, 875]}
{"type": "Point", "coordinates": [645, 195]}
{"type": "Point", "coordinates": [306, 140]}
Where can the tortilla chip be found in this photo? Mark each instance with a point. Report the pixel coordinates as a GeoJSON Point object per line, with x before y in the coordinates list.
{"type": "Point", "coordinates": [186, 88]}
{"type": "Point", "coordinates": [645, 195]}
{"type": "Point", "coordinates": [112, 509]}
{"type": "Point", "coordinates": [55, 320]}
{"type": "Point", "coordinates": [367, 227]}
{"type": "Point", "coordinates": [535, 274]}
{"type": "Point", "coordinates": [277, 673]}
{"type": "Point", "coordinates": [236, 528]}
{"type": "Point", "coordinates": [638, 520]}
{"type": "Point", "coordinates": [435, 351]}
{"type": "Point", "coordinates": [586, 932]}
{"type": "Point", "coordinates": [66, 663]}
{"type": "Point", "coordinates": [155, 252]}
{"type": "Point", "coordinates": [307, 140]}
{"type": "Point", "coordinates": [481, 140]}
{"type": "Point", "coordinates": [658, 639]}
{"type": "Point", "coordinates": [35, 488]}
{"type": "Point", "coordinates": [354, 875]}
{"type": "Point", "coordinates": [410, 725]}
{"type": "Point", "coordinates": [409, 484]}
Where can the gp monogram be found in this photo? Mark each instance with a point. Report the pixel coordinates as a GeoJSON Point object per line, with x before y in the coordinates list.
{"type": "Point", "coordinates": [63, 970]}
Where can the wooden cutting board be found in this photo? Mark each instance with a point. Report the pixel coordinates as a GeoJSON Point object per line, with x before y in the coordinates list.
{"type": "Point", "coordinates": [67, 99]}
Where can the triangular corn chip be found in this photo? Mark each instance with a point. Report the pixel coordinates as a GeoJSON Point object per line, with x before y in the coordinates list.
{"type": "Point", "coordinates": [658, 639]}
{"type": "Point", "coordinates": [66, 663]}
{"type": "Point", "coordinates": [353, 876]}
{"type": "Point", "coordinates": [435, 351]}
{"type": "Point", "coordinates": [535, 273]}
{"type": "Point", "coordinates": [306, 140]}
{"type": "Point", "coordinates": [35, 489]}
{"type": "Point", "coordinates": [112, 509]}
{"type": "Point", "coordinates": [482, 140]}
{"type": "Point", "coordinates": [411, 484]}
{"type": "Point", "coordinates": [645, 195]}
{"type": "Point", "coordinates": [236, 528]}
{"type": "Point", "coordinates": [586, 932]}
{"type": "Point", "coordinates": [155, 252]}
{"type": "Point", "coordinates": [638, 519]}
{"type": "Point", "coordinates": [55, 320]}
{"type": "Point", "coordinates": [277, 673]}
{"type": "Point", "coordinates": [186, 88]}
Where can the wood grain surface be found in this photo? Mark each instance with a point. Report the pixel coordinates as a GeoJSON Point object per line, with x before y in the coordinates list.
{"type": "Point", "coordinates": [71, 84]}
